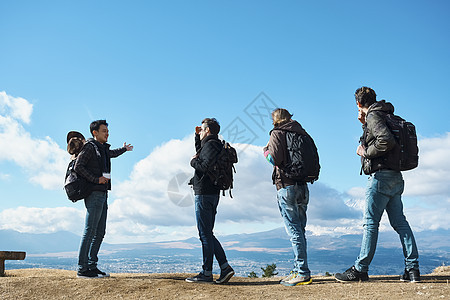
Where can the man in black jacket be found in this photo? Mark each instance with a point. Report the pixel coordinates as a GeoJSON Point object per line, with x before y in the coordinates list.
{"type": "Point", "coordinates": [208, 146]}
{"type": "Point", "coordinates": [384, 189]}
{"type": "Point", "coordinates": [94, 164]}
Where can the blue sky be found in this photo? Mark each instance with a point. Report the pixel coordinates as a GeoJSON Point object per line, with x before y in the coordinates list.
{"type": "Point", "coordinates": [155, 69]}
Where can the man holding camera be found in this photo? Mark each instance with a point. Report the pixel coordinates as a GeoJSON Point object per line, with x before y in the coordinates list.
{"type": "Point", "coordinates": [208, 146]}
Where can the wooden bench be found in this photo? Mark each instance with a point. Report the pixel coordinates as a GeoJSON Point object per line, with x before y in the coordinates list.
{"type": "Point", "coordinates": [10, 255]}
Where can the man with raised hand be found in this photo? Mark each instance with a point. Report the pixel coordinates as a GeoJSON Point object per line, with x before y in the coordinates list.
{"type": "Point", "coordinates": [208, 146]}
{"type": "Point", "coordinates": [94, 164]}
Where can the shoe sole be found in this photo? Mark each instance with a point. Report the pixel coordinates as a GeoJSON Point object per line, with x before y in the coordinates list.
{"type": "Point", "coordinates": [199, 281]}
{"type": "Point", "coordinates": [298, 283]}
{"type": "Point", "coordinates": [350, 281]}
{"type": "Point", "coordinates": [226, 278]}
{"type": "Point", "coordinates": [410, 281]}
{"type": "Point", "coordinates": [284, 280]}
{"type": "Point", "coordinates": [87, 277]}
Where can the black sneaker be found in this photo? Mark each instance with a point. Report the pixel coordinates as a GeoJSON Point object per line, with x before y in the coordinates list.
{"type": "Point", "coordinates": [201, 278]}
{"type": "Point", "coordinates": [412, 275]}
{"type": "Point", "coordinates": [351, 274]}
{"type": "Point", "coordinates": [87, 274]}
{"type": "Point", "coordinates": [100, 273]}
{"type": "Point", "coordinates": [225, 275]}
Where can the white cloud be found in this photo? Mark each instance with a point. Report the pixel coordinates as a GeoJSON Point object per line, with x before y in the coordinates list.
{"type": "Point", "coordinates": [142, 206]}
{"type": "Point", "coordinates": [144, 197]}
{"type": "Point", "coordinates": [141, 210]}
{"type": "Point", "coordinates": [42, 159]}
{"type": "Point", "coordinates": [18, 108]}
{"type": "Point", "coordinates": [427, 188]}
{"type": "Point", "coordinates": [4, 176]}
{"type": "Point", "coordinates": [431, 176]}
{"type": "Point", "coordinates": [426, 198]}
{"type": "Point", "coordinates": [42, 220]}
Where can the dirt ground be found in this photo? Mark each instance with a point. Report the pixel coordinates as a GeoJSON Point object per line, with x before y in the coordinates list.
{"type": "Point", "coordinates": [61, 284]}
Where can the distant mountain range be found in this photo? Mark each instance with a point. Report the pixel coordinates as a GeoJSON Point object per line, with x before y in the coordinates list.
{"type": "Point", "coordinates": [273, 241]}
{"type": "Point", "coordinates": [38, 243]}
{"type": "Point", "coordinates": [248, 251]}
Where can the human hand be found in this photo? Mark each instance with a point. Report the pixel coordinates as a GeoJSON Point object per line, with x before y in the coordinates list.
{"type": "Point", "coordinates": [361, 150]}
{"type": "Point", "coordinates": [361, 116]}
{"type": "Point", "coordinates": [128, 147]}
{"type": "Point", "coordinates": [102, 180]}
{"type": "Point", "coordinates": [198, 129]}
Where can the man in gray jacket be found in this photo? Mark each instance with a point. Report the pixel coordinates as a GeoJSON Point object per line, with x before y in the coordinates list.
{"type": "Point", "coordinates": [292, 195]}
{"type": "Point", "coordinates": [384, 189]}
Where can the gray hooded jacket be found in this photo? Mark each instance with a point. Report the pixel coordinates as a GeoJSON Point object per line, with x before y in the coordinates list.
{"type": "Point", "coordinates": [378, 140]}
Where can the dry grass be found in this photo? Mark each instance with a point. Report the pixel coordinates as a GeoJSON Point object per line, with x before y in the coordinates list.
{"type": "Point", "coordinates": [60, 284]}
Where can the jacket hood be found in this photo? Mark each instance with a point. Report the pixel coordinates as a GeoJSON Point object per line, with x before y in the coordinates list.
{"type": "Point", "coordinates": [292, 126]}
{"type": "Point", "coordinates": [383, 106]}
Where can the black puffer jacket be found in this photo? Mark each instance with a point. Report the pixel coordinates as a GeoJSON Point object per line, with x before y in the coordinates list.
{"type": "Point", "coordinates": [381, 149]}
{"type": "Point", "coordinates": [207, 151]}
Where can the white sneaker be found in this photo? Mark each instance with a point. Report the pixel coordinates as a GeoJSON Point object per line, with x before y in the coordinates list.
{"type": "Point", "coordinates": [291, 275]}
{"type": "Point", "coordinates": [298, 279]}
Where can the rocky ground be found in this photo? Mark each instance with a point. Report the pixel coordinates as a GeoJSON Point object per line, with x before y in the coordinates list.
{"type": "Point", "coordinates": [61, 284]}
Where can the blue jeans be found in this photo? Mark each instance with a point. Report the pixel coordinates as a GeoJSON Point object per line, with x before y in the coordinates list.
{"type": "Point", "coordinates": [384, 192]}
{"type": "Point", "coordinates": [293, 202]}
{"type": "Point", "coordinates": [205, 212]}
{"type": "Point", "coordinates": [94, 230]}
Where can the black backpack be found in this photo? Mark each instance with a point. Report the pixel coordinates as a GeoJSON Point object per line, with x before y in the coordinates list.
{"type": "Point", "coordinates": [221, 172]}
{"type": "Point", "coordinates": [303, 165]}
{"type": "Point", "coordinates": [406, 138]}
{"type": "Point", "coordinates": [76, 186]}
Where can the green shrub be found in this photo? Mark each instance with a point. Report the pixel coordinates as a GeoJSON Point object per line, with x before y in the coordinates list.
{"type": "Point", "coordinates": [269, 271]}
{"type": "Point", "coordinates": [252, 274]}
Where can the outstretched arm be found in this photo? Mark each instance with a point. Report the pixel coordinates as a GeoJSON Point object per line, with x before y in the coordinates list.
{"type": "Point", "coordinates": [119, 151]}
{"type": "Point", "coordinates": [128, 147]}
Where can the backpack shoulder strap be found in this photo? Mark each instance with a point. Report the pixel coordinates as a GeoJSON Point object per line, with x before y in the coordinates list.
{"type": "Point", "coordinates": [303, 132]}
{"type": "Point", "coordinates": [221, 145]}
{"type": "Point", "coordinates": [97, 152]}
